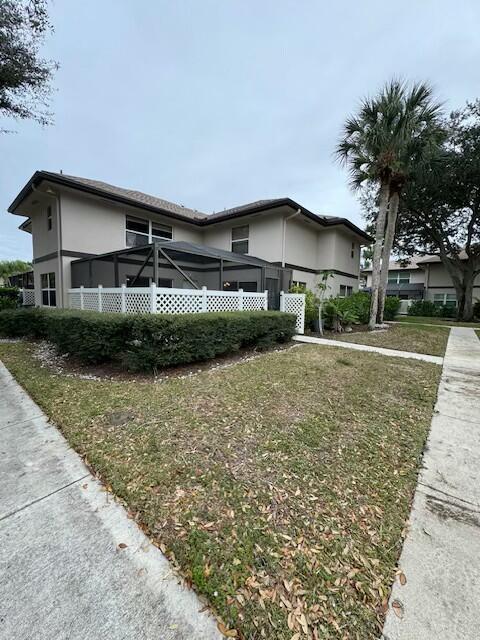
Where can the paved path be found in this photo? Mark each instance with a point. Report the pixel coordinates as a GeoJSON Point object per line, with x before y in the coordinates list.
{"type": "Point", "coordinates": [441, 554]}
{"type": "Point", "coordinates": [365, 347]}
{"type": "Point", "coordinates": [63, 575]}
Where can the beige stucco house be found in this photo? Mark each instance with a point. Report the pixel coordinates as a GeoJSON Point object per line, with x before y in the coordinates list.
{"type": "Point", "coordinates": [421, 278]}
{"type": "Point", "coordinates": [86, 232]}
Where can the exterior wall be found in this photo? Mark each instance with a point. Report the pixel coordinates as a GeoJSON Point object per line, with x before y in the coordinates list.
{"type": "Point", "coordinates": [440, 282]}
{"type": "Point", "coordinates": [265, 236]}
{"type": "Point", "coordinates": [300, 244]}
{"type": "Point", "coordinates": [44, 241]}
{"type": "Point", "coordinates": [47, 266]}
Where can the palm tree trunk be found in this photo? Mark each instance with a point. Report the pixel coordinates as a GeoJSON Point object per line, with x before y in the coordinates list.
{"type": "Point", "coordinates": [387, 250]}
{"type": "Point", "coordinates": [377, 250]}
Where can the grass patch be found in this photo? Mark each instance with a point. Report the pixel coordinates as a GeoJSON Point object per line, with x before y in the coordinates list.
{"type": "Point", "coordinates": [416, 339]}
{"type": "Point", "coordinates": [449, 322]}
{"type": "Point", "coordinates": [279, 487]}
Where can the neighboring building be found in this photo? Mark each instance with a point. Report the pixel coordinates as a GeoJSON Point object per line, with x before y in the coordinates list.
{"type": "Point", "coordinates": [101, 233]}
{"type": "Point", "coordinates": [420, 278]}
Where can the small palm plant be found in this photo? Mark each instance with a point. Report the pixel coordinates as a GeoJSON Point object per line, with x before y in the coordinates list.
{"type": "Point", "coordinates": [323, 287]}
{"type": "Point", "coordinates": [389, 138]}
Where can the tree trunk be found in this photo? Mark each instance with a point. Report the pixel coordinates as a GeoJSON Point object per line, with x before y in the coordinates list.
{"type": "Point", "coordinates": [387, 250]}
{"type": "Point", "coordinates": [377, 251]}
{"type": "Point", "coordinates": [465, 310]}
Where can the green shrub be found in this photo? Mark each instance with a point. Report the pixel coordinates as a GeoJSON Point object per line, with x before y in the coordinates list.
{"type": "Point", "coordinates": [8, 298]}
{"type": "Point", "coordinates": [148, 342]}
{"type": "Point", "coordinates": [476, 309]}
{"type": "Point", "coordinates": [392, 306]}
{"type": "Point", "coordinates": [430, 310]}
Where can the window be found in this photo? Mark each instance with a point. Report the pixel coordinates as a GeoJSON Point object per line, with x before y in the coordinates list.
{"type": "Point", "coordinates": [345, 291]}
{"type": "Point", "coordinates": [233, 285]}
{"type": "Point", "coordinates": [398, 277]}
{"type": "Point", "coordinates": [299, 284]}
{"type": "Point", "coordinates": [445, 299]}
{"type": "Point", "coordinates": [165, 282]}
{"type": "Point", "coordinates": [240, 239]}
{"type": "Point", "coordinates": [141, 281]}
{"type": "Point", "coordinates": [49, 218]}
{"type": "Point", "coordinates": [49, 293]}
{"type": "Point", "coordinates": [141, 232]}
{"type": "Point", "coordinates": [352, 252]}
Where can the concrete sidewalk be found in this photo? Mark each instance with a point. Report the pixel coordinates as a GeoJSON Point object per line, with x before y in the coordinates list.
{"type": "Point", "coordinates": [395, 353]}
{"type": "Point", "coordinates": [441, 555]}
{"type": "Point", "coordinates": [72, 565]}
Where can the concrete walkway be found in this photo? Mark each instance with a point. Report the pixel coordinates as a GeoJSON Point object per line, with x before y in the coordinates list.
{"type": "Point", "coordinates": [72, 565]}
{"type": "Point", "coordinates": [440, 560]}
{"type": "Point", "coordinates": [365, 347]}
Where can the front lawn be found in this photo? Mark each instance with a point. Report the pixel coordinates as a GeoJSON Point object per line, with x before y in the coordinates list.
{"type": "Point", "coordinates": [449, 322]}
{"type": "Point", "coordinates": [413, 338]}
{"type": "Point", "coordinates": [279, 487]}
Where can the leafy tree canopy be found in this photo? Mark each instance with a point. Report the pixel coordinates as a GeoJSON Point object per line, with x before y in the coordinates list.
{"type": "Point", "coordinates": [10, 267]}
{"type": "Point", "coordinates": [24, 75]}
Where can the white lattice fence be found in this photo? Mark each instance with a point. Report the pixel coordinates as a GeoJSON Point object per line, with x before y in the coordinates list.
{"type": "Point", "coordinates": [162, 300]}
{"type": "Point", "coordinates": [294, 303]}
{"type": "Point", "coordinates": [28, 297]}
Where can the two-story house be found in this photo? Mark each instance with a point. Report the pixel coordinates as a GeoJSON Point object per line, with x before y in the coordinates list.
{"type": "Point", "coordinates": [420, 278]}
{"type": "Point", "coordinates": [87, 232]}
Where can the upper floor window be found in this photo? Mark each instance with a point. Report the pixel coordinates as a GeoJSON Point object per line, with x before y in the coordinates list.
{"type": "Point", "coordinates": [352, 251]}
{"type": "Point", "coordinates": [398, 277]}
{"type": "Point", "coordinates": [49, 292]}
{"type": "Point", "coordinates": [141, 232]}
{"type": "Point", "coordinates": [240, 239]}
{"type": "Point", "coordinates": [49, 218]}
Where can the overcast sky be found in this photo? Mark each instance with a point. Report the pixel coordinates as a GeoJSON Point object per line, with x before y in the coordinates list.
{"type": "Point", "coordinates": [215, 103]}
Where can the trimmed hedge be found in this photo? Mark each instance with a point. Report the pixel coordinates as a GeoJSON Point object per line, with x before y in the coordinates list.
{"type": "Point", "coordinates": [428, 309]}
{"type": "Point", "coordinates": [148, 342]}
{"type": "Point", "coordinates": [8, 297]}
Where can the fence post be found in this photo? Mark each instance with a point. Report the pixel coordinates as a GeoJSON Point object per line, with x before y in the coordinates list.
{"type": "Point", "coordinates": [100, 287]}
{"type": "Point", "coordinates": [240, 299]}
{"type": "Point", "coordinates": [282, 301]}
{"type": "Point", "coordinates": [123, 304]}
{"type": "Point", "coordinates": [265, 301]}
{"type": "Point", "coordinates": [204, 300]}
{"type": "Point", "coordinates": [153, 298]}
{"type": "Point", "coordinates": [81, 297]}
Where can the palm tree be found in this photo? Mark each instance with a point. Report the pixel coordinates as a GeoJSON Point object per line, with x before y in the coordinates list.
{"type": "Point", "coordinates": [381, 145]}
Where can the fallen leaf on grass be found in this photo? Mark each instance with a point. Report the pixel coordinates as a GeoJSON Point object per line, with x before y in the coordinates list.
{"type": "Point", "coordinates": [228, 633]}
{"type": "Point", "coordinates": [122, 545]}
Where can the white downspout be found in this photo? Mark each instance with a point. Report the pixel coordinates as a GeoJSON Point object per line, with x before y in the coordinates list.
{"type": "Point", "coordinates": [284, 234]}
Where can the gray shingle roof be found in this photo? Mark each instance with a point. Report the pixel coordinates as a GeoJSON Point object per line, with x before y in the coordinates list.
{"type": "Point", "coordinates": [136, 196]}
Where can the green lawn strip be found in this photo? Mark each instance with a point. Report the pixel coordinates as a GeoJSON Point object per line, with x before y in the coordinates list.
{"type": "Point", "coordinates": [449, 322]}
{"type": "Point", "coordinates": [413, 338]}
{"type": "Point", "coordinates": [280, 487]}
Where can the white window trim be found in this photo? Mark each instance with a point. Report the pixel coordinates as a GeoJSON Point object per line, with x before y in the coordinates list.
{"type": "Point", "coordinates": [48, 288]}
{"type": "Point", "coordinates": [443, 300]}
{"type": "Point", "coordinates": [397, 281]}
{"type": "Point", "coordinates": [151, 224]}
{"type": "Point", "coordinates": [247, 239]}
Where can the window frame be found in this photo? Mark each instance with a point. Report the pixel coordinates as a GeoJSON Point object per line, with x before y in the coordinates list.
{"type": "Point", "coordinates": [445, 298]}
{"type": "Point", "coordinates": [401, 277]}
{"type": "Point", "coordinates": [150, 237]}
{"type": "Point", "coordinates": [51, 292]}
{"type": "Point", "coordinates": [237, 241]}
{"type": "Point", "coordinates": [348, 291]}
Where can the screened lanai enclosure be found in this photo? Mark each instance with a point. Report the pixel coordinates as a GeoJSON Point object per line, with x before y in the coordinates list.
{"type": "Point", "coordinates": [182, 265]}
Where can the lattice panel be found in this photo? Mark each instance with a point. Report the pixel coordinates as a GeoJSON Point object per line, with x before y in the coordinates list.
{"type": "Point", "coordinates": [112, 302]}
{"type": "Point", "coordinates": [90, 301]}
{"type": "Point", "coordinates": [28, 297]}
{"type": "Point", "coordinates": [74, 301]}
{"type": "Point", "coordinates": [295, 303]}
{"type": "Point", "coordinates": [137, 302]}
{"type": "Point", "coordinates": [222, 303]}
{"type": "Point", "coordinates": [169, 302]}
{"type": "Point", "coordinates": [254, 303]}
